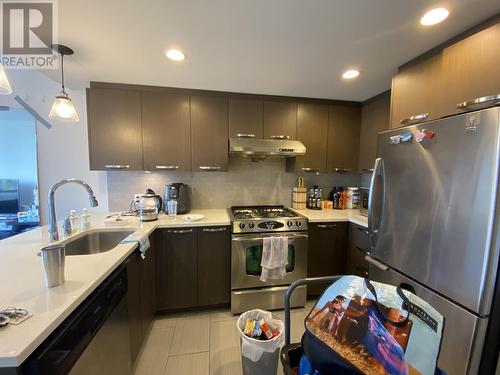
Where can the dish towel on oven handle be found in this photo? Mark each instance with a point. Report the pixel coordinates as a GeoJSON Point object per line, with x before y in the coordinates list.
{"type": "Point", "coordinates": [274, 258]}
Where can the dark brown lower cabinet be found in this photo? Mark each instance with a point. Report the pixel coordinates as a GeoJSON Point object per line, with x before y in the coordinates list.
{"type": "Point", "coordinates": [176, 270]}
{"type": "Point", "coordinates": [214, 266]}
{"type": "Point", "coordinates": [327, 252]}
{"type": "Point", "coordinates": [141, 291]}
{"type": "Point", "coordinates": [193, 268]}
{"type": "Point", "coordinates": [358, 248]}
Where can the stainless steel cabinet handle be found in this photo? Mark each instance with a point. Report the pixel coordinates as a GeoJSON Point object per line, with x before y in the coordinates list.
{"type": "Point", "coordinates": [214, 229]}
{"type": "Point", "coordinates": [281, 136]}
{"type": "Point", "coordinates": [381, 266]}
{"type": "Point", "coordinates": [117, 166]}
{"type": "Point", "coordinates": [367, 170]}
{"type": "Point", "coordinates": [414, 119]}
{"type": "Point", "coordinates": [167, 167]}
{"type": "Point", "coordinates": [309, 170]}
{"type": "Point", "coordinates": [342, 170]}
{"type": "Point", "coordinates": [180, 231]}
{"type": "Point", "coordinates": [327, 226]}
{"type": "Point", "coordinates": [239, 135]}
{"type": "Point", "coordinates": [479, 103]}
{"type": "Point", "coordinates": [209, 168]}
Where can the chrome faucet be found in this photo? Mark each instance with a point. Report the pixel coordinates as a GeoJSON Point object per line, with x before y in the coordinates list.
{"type": "Point", "coordinates": [53, 232]}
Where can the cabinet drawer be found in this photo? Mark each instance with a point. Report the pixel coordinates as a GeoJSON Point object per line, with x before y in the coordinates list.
{"type": "Point", "coordinates": [358, 237]}
{"type": "Point", "coordinates": [356, 263]}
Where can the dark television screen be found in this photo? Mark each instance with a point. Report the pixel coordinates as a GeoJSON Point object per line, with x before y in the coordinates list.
{"type": "Point", "coordinates": [9, 196]}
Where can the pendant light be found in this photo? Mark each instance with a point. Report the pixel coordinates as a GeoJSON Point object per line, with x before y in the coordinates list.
{"type": "Point", "coordinates": [63, 108]}
{"type": "Point", "coordinates": [4, 82]}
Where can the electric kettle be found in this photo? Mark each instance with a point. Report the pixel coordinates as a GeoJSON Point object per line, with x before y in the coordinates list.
{"type": "Point", "coordinates": [149, 206]}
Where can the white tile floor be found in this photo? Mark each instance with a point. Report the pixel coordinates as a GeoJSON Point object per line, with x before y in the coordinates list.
{"type": "Point", "coordinates": [200, 343]}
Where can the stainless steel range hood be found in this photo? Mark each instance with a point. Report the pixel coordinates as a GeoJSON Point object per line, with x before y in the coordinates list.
{"type": "Point", "coordinates": [261, 148]}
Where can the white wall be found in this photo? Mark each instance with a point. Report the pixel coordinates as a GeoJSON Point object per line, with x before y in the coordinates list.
{"type": "Point", "coordinates": [62, 149]}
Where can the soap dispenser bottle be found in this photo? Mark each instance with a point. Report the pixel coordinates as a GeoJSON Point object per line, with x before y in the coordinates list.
{"type": "Point", "coordinates": [73, 219]}
{"type": "Point", "coordinates": [84, 220]}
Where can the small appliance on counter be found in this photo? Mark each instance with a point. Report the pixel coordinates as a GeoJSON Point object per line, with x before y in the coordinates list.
{"type": "Point", "coordinates": [149, 206]}
{"type": "Point", "coordinates": [180, 193]}
{"type": "Point", "coordinates": [315, 198]}
{"type": "Point", "coordinates": [364, 195]}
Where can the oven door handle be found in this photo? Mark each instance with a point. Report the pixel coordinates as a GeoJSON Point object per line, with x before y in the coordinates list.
{"type": "Point", "coordinates": [257, 238]}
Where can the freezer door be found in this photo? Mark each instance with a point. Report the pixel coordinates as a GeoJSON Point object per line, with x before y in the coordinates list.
{"type": "Point", "coordinates": [432, 214]}
{"type": "Point", "coordinates": [463, 333]}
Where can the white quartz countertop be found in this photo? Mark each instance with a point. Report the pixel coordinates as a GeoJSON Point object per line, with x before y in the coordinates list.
{"type": "Point", "coordinates": [329, 215]}
{"type": "Point", "coordinates": [22, 281]}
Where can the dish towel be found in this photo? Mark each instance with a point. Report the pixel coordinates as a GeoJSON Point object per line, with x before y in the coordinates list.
{"type": "Point", "coordinates": [274, 258]}
{"type": "Point", "coordinates": [140, 239]}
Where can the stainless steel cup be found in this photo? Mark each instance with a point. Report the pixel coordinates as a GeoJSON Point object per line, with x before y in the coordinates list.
{"type": "Point", "coordinates": [53, 264]}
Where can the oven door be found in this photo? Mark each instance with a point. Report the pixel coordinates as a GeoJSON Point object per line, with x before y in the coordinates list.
{"type": "Point", "coordinates": [246, 254]}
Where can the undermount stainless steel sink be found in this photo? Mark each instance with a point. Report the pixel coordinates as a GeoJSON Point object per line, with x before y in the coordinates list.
{"type": "Point", "coordinates": [96, 241]}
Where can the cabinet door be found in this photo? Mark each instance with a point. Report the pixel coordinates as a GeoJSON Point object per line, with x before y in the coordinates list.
{"type": "Point", "coordinates": [176, 270]}
{"type": "Point", "coordinates": [166, 131]}
{"type": "Point", "coordinates": [148, 285]}
{"type": "Point", "coordinates": [209, 133]}
{"type": "Point", "coordinates": [246, 118]}
{"type": "Point", "coordinates": [280, 120]}
{"type": "Point", "coordinates": [327, 252]}
{"type": "Point", "coordinates": [343, 138]}
{"type": "Point", "coordinates": [214, 266]}
{"type": "Point", "coordinates": [312, 130]}
{"type": "Point", "coordinates": [471, 69]}
{"type": "Point", "coordinates": [374, 119]}
{"type": "Point", "coordinates": [358, 249]}
{"type": "Point", "coordinates": [114, 127]}
{"type": "Point", "coordinates": [416, 90]}
{"type": "Point", "coordinates": [135, 310]}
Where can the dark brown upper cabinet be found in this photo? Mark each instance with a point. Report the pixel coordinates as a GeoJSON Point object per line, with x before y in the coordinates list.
{"type": "Point", "coordinates": [312, 130]}
{"type": "Point", "coordinates": [343, 138]}
{"type": "Point", "coordinates": [375, 115]}
{"type": "Point", "coordinates": [416, 92]}
{"type": "Point", "coordinates": [280, 120]}
{"type": "Point", "coordinates": [471, 69]}
{"type": "Point", "coordinates": [114, 129]}
{"type": "Point", "coordinates": [209, 133]}
{"type": "Point", "coordinates": [166, 131]}
{"type": "Point", "coordinates": [246, 118]}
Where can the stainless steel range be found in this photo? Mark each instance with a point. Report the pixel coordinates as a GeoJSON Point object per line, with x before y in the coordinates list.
{"type": "Point", "coordinates": [250, 225]}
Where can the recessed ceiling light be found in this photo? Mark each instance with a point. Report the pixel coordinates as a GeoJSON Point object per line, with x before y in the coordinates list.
{"type": "Point", "coordinates": [350, 74]}
{"type": "Point", "coordinates": [434, 16]}
{"type": "Point", "coordinates": [175, 54]}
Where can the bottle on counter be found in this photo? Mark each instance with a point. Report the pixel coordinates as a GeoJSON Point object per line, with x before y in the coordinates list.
{"type": "Point", "coordinates": [85, 220]}
{"type": "Point", "coordinates": [73, 220]}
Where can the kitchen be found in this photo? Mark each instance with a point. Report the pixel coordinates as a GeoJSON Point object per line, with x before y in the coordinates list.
{"type": "Point", "coordinates": [223, 137]}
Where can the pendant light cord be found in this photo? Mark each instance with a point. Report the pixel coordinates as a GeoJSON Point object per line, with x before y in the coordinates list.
{"type": "Point", "coordinates": [62, 72]}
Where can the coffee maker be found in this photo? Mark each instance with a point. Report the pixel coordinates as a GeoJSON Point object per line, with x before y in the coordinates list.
{"type": "Point", "coordinates": [179, 192]}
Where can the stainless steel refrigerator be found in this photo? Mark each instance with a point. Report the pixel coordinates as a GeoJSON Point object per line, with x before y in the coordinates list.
{"type": "Point", "coordinates": [434, 225]}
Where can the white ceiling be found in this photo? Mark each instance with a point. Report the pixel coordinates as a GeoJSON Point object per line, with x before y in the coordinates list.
{"type": "Point", "coordinates": [282, 47]}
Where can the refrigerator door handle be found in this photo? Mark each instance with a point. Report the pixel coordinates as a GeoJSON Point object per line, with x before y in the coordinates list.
{"type": "Point", "coordinates": [375, 207]}
{"type": "Point", "coordinates": [381, 266]}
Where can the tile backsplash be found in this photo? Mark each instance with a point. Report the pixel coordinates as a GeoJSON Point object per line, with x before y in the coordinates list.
{"type": "Point", "coordinates": [245, 183]}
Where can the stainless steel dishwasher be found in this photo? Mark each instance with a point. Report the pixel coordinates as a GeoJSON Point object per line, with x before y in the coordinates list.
{"type": "Point", "coordinates": [94, 339]}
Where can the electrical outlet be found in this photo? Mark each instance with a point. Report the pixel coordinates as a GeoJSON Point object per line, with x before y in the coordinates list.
{"type": "Point", "coordinates": [137, 197]}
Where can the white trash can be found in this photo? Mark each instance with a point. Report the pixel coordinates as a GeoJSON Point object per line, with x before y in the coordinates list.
{"type": "Point", "coordinates": [259, 357]}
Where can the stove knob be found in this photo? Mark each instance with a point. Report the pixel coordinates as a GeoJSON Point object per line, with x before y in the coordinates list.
{"type": "Point", "coordinates": [242, 225]}
{"type": "Point", "coordinates": [251, 225]}
{"type": "Point", "coordinates": [289, 223]}
{"type": "Point", "coordinates": [299, 223]}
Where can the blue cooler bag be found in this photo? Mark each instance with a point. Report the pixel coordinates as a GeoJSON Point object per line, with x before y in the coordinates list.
{"type": "Point", "coordinates": [364, 327]}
